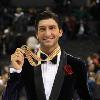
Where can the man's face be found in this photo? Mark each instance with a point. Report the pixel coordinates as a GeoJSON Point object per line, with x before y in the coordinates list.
{"type": "Point", "coordinates": [48, 33]}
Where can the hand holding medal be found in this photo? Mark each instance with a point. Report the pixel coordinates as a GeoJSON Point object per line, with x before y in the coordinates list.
{"type": "Point", "coordinates": [24, 52]}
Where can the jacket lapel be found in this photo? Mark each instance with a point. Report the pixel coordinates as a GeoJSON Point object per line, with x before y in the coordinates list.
{"type": "Point", "coordinates": [39, 83]}
{"type": "Point", "coordinates": [58, 79]}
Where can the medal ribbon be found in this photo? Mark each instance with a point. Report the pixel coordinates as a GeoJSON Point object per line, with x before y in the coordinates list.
{"type": "Point", "coordinates": [33, 58]}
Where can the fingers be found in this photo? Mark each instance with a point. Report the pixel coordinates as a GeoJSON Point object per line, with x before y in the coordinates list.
{"type": "Point", "coordinates": [17, 58]}
{"type": "Point", "coordinates": [19, 50]}
{"type": "Point", "coordinates": [18, 54]}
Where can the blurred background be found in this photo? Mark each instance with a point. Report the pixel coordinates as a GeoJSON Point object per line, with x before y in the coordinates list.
{"type": "Point", "coordinates": [81, 33]}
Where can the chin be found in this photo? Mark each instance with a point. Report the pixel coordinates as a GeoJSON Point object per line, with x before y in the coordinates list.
{"type": "Point", "coordinates": [48, 45]}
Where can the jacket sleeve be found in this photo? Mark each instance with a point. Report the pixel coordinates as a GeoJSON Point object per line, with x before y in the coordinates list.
{"type": "Point", "coordinates": [82, 81]}
{"type": "Point", "coordinates": [13, 87]}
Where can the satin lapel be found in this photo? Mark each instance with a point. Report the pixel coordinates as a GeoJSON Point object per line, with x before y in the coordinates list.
{"type": "Point", "coordinates": [58, 79]}
{"type": "Point", "coordinates": [39, 83]}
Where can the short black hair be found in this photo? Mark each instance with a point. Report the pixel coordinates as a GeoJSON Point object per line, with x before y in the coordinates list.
{"type": "Point", "coordinates": [46, 15]}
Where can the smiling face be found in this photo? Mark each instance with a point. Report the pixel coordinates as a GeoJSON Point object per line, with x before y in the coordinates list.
{"type": "Point", "coordinates": [48, 33]}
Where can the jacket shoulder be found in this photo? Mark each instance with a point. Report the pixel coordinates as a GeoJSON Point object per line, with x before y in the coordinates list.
{"type": "Point", "coordinates": [74, 61]}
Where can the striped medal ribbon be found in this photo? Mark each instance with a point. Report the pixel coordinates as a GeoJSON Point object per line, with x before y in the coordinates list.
{"type": "Point", "coordinates": [33, 58]}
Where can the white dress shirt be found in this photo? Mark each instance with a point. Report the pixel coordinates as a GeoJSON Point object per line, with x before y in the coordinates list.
{"type": "Point", "coordinates": [49, 71]}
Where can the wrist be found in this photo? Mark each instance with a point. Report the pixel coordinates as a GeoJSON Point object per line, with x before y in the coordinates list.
{"type": "Point", "coordinates": [13, 70]}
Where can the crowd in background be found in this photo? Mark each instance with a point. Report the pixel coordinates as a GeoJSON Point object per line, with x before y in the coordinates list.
{"type": "Point", "coordinates": [18, 23]}
{"type": "Point", "coordinates": [94, 75]}
{"type": "Point", "coordinates": [17, 28]}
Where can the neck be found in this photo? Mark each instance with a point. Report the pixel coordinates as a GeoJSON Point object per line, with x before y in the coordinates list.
{"type": "Point", "coordinates": [48, 50]}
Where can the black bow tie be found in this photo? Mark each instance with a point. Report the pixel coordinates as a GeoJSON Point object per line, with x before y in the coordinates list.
{"type": "Point", "coordinates": [44, 57]}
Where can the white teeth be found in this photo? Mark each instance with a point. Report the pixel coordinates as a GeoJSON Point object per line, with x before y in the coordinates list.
{"type": "Point", "coordinates": [48, 39]}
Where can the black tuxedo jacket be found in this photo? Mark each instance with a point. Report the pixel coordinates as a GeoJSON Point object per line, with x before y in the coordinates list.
{"type": "Point", "coordinates": [67, 80]}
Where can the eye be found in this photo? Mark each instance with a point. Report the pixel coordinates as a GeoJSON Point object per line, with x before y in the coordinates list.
{"type": "Point", "coordinates": [42, 29]}
{"type": "Point", "coordinates": [52, 27]}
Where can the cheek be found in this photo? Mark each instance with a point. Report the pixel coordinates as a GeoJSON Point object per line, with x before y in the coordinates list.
{"type": "Point", "coordinates": [38, 35]}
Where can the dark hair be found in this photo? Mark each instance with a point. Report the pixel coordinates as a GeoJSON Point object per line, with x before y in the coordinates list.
{"type": "Point", "coordinates": [47, 15]}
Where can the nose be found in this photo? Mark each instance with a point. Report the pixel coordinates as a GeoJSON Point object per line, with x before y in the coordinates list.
{"type": "Point", "coordinates": [48, 32]}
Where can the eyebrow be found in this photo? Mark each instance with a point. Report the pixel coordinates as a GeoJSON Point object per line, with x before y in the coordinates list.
{"type": "Point", "coordinates": [41, 26]}
{"type": "Point", "coordinates": [49, 26]}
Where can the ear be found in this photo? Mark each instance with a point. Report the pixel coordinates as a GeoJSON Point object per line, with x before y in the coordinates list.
{"type": "Point", "coordinates": [60, 32]}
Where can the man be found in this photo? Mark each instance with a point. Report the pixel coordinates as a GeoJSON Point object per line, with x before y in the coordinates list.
{"type": "Point", "coordinates": [47, 80]}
